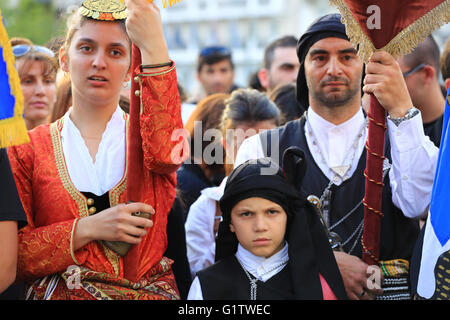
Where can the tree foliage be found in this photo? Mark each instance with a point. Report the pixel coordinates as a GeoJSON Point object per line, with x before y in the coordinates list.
{"type": "Point", "coordinates": [36, 20]}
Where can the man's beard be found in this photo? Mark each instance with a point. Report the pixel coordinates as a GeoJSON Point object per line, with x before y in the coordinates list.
{"type": "Point", "coordinates": [337, 98]}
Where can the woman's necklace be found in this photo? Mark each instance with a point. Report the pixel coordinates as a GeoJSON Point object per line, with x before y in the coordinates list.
{"type": "Point", "coordinates": [253, 280]}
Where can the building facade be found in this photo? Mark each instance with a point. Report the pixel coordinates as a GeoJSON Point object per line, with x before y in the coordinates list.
{"type": "Point", "coordinates": [245, 26]}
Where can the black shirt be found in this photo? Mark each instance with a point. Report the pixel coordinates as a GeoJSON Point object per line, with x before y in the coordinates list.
{"type": "Point", "coordinates": [11, 208]}
{"type": "Point", "coordinates": [433, 130]}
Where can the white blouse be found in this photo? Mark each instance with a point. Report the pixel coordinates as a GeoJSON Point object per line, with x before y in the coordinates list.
{"type": "Point", "coordinates": [101, 175]}
{"type": "Point", "coordinates": [199, 227]}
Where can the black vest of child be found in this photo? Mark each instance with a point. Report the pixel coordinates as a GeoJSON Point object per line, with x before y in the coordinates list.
{"type": "Point", "coordinates": [226, 280]}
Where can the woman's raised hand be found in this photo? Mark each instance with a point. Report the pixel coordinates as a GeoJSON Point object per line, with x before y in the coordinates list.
{"type": "Point", "coordinates": [145, 30]}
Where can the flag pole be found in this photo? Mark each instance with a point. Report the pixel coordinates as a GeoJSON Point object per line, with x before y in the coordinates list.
{"type": "Point", "coordinates": [135, 164]}
{"type": "Point", "coordinates": [373, 182]}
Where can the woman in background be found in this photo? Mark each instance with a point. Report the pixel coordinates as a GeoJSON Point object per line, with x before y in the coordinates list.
{"type": "Point", "coordinates": [247, 112]}
{"type": "Point", "coordinates": [37, 67]}
{"type": "Point", "coordinates": [197, 173]}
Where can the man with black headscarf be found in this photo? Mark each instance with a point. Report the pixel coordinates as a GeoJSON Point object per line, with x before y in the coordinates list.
{"type": "Point", "coordinates": [333, 133]}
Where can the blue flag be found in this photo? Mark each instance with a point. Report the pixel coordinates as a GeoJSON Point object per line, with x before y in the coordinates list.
{"type": "Point", "coordinates": [434, 274]}
{"type": "Point", "coordinates": [439, 211]}
{"type": "Point", "coordinates": [12, 125]}
{"type": "Point", "coordinates": [8, 100]}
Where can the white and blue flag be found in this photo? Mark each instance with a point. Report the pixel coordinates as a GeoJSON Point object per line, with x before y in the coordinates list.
{"type": "Point", "coordinates": [434, 278]}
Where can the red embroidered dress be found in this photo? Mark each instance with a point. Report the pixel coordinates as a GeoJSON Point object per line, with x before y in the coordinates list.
{"type": "Point", "coordinates": [53, 207]}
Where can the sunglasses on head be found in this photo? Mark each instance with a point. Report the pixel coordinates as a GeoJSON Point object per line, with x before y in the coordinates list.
{"type": "Point", "coordinates": [415, 69]}
{"type": "Point", "coordinates": [223, 51]}
{"type": "Point", "coordinates": [22, 49]}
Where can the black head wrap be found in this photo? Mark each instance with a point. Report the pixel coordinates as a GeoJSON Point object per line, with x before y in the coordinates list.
{"type": "Point", "coordinates": [328, 26]}
{"type": "Point", "coordinates": [309, 250]}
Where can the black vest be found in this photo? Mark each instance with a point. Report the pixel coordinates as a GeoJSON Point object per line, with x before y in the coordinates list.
{"type": "Point", "coordinates": [434, 130]}
{"type": "Point", "coordinates": [226, 280]}
{"type": "Point", "coordinates": [398, 233]}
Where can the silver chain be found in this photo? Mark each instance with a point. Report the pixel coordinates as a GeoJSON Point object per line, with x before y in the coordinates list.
{"type": "Point", "coordinates": [354, 146]}
{"type": "Point", "coordinates": [326, 195]}
{"type": "Point", "coordinates": [253, 281]}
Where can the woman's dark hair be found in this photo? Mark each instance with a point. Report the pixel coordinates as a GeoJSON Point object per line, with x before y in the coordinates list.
{"type": "Point", "coordinates": [207, 115]}
{"type": "Point", "coordinates": [284, 96]}
{"type": "Point", "coordinates": [254, 83]}
{"type": "Point", "coordinates": [63, 98]}
{"type": "Point", "coordinates": [248, 106]}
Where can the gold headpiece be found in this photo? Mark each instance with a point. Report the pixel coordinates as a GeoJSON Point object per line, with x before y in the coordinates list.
{"type": "Point", "coordinates": [106, 10]}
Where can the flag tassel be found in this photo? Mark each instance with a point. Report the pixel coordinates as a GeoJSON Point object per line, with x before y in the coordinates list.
{"type": "Point", "coordinates": [12, 129]}
{"type": "Point", "coordinates": [404, 42]}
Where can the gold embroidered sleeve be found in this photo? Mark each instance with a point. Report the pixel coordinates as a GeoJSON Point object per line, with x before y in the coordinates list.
{"type": "Point", "coordinates": [163, 138]}
{"type": "Point", "coordinates": [46, 250]}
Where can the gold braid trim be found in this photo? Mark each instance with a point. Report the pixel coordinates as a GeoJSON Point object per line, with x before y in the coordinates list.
{"type": "Point", "coordinates": [76, 195]}
{"type": "Point", "coordinates": [72, 234]}
{"type": "Point", "coordinates": [116, 191]}
{"type": "Point", "coordinates": [12, 130]}
{"type": "Point", "coordinates": [114, 196]}
{"type": "Point", "coordinates": [405, 41]}
{"type": "Point", "coordinates": [410, 37]}
{"type": "Point", "coordinates": [63, 172]}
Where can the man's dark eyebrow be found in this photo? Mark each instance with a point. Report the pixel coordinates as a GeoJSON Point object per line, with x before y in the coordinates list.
{"type": "Point", "coordinates": [349, 50]}
{"type": "Point", "coordinates": [317, 51]}
{"type": "Point", "coordinates": [322, 51]}
{"type": "Point", "coordinates": [287, 64]}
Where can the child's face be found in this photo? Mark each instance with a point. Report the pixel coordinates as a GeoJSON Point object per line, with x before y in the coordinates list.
{"type": "Point", "coordinates": [259, 225]}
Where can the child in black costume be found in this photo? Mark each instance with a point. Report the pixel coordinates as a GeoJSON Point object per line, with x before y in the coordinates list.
{"type": "Point", "coordinates": [271, 244]}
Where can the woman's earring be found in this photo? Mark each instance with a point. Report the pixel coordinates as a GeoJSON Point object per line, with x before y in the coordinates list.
{"type": "Point", "coordinates": [126, 84]}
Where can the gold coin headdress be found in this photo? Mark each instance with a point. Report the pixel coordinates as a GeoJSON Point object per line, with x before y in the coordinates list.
{"type": "Point", "coordinates": [105, 10]}
{"type": "Point", "coordinates": [110, 10]}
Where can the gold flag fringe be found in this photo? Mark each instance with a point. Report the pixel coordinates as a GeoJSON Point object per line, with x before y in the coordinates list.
{"type": "Point", "coordinates": [12, 130]}
{"type": "Point", "coordinates": [171, 3]}
{"type": "Point", "coordinates": [405, 41]}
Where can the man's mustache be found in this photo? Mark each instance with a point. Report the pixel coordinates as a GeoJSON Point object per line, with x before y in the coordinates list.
{"type": "Point", "coordinates": [329, 79]}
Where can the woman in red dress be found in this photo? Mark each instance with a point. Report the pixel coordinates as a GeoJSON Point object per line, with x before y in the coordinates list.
{"type": "Point", "coordinates": [72, 176]}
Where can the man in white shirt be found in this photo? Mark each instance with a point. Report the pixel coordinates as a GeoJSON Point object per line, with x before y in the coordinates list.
{"type": "Point", "coordinates": [333, 133]}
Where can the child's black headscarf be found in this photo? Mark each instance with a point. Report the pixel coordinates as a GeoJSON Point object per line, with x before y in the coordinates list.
{"type": "Point", "coordinates": [309, 250]}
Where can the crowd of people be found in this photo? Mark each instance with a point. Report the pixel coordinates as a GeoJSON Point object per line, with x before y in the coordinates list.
{"type": "Point", "coordinates": [229, 215]}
